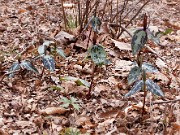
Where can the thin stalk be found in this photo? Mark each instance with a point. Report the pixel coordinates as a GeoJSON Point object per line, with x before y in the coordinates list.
{"type": "Point", "coordinates": [89, 38]}
{"type": "Point", "coordinates": [42, 72]}
{"type": "Point", "coordinates": [92, 81]}
{"type": "Point", "coordinates": [144, 89]}
{"type": "Point", "coordinates": [111, 11]}
{"type": "Point", "coordinates": [79, 13]}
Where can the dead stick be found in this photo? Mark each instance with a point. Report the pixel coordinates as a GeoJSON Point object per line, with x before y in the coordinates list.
{"type": "Point", "coordinates": [163, 102]}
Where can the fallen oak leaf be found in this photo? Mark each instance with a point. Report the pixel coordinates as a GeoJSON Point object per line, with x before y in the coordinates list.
{"type": "Point", "coordinates": [53, 110]}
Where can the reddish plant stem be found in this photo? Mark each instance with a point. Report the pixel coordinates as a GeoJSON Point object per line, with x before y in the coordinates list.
{"type": "Point", "coordinates": [42, 72]}
{"type": "Point", "coordinates": [89, 38]}
{"type": "Point", "coordinates": [144, 100]}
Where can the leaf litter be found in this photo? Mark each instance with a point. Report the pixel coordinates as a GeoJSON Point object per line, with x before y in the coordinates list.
{"type": "Point", "coordinates": [29, 105]}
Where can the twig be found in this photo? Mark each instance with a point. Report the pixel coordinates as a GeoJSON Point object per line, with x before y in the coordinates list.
{"type": "Point", "coordinates": [64, 15]}
{"type": "Point", "coordinates": [163, 102]}
{"type": "Point", "coordinates": [134, 17]}
{"type": "Point", "coordinates": [123, 28]}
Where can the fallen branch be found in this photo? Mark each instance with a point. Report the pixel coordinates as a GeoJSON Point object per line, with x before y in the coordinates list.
{"type": "Point", "coordinates": [163, 102]}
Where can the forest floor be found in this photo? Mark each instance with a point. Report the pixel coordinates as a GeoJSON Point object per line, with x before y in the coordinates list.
{"type": "Point", "coordinates": [32, 105]}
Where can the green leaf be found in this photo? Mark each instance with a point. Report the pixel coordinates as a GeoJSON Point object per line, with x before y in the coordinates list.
{"type": "Point", "coordinates": [149, 68]}
{"type": "Point", "coordinates": [68, 78]}
{"type": "Point", "coordinates": [73, 100]}
{"type": "Point", "coordinates": [29, 66]}
{"type": "Point", "coordinates": [138, 41]}
{"type": "Point", "coordinates": [66, 102]}
{"type": "Point", "coordinates": [98, 55]}
{"type": "Point", "coordinates": [76, 106]}
{"type": "Point", "coordinates": [15, 66]}
{"type": "Point", "coordinates": [137, 87]}
{"type": "Point", "coordinates": [154, 88]}
{"type": "Point", "coordinates": [48, 62]}
{"type": "Point", "coordinates": [134, 74]}
{"type": "Point", "coordinates": [82, 82]}
{"type": "Point", "coordinates": [61, 52]}
{"type": "Point", "coordinates": [155, 38]}
{"type": "Point", "coordinates": [167, 31]}
{"type": "Point", "coordinates": [54, 87]}
{"type": "Point", "coordinates": [42, 49]}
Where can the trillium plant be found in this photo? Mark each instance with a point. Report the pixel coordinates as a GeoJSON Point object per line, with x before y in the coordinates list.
{"type": "Point", "coordinates": [99, 57]}
{"type": "Point", "coordinates": [17, 67]}
{"type": "Point", "coordinates": [140, 68]}
{"type": "Point", "coordinates": [47, 59]}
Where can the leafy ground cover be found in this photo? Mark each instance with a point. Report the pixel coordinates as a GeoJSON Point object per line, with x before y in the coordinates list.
{"type": "Point", "coordinates": [54, 102]}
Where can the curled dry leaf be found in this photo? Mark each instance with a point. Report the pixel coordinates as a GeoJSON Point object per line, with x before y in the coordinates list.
{"type": "Point", "coordinates": [64, 37]}
{"type": "Point", "coordinates": [53, 110]}
{"type": "Point", "coordinates": [136, 107]}
{"type": "Point", "coordinates": [85, 122]}
{"type": "Point", "coordinates": [110, 114]}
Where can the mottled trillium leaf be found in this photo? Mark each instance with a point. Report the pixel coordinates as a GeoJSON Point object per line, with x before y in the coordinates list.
{"type": "Point", "coordinates": [98, 55]}
{"type": "Point", "coordinates": [42, 49]}
{"type": "Point", "coordinates": [155, 38]}
{"type": "Point", "coordinates": [134, 74]}
{"type": "Point", "coordinates": [138, 41]}
{"type": "Point", "coordinates": [149, 68]}
{"type": "Point", "coordinates": [61, 52]}
{"type": "Point", "coordinates": [137, 87]}
{"type": "Point", "coordinates": [15, 66]}
{"type": "Point", "coordinates": [48, 62]}
{"type": "Point", "coordinates": [29, 66]}
{"type": "Point", "coordinates": [82, 82]}
{"type": "Point", "coordinates": [154, 88]}
{"type": "Point", "coordinates": [96, 23]}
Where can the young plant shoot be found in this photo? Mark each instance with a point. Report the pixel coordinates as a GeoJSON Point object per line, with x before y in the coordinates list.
{"type": "Point", "coordinates": [140, 69]}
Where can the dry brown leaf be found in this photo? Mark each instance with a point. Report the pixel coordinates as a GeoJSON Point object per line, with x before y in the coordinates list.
{"type": "Point", "coordinates": [24, 124]}
{"type": "Point", "coordinates": [122, 45]}
{"type": "Point", "coordinates": [136, 107]}
{"type": "Point", "coordinates": [64, 37]}
{"type": "Point", "coordinates": [109, 114]}
{"type": "Point", "coordinates": [53, 110]}
{"type": "Point", "coordinates": [160, 63]}
{"type": "Point", "coordinates": [84, 121]}
{"type": "Point", "coordinates": [3, 132]}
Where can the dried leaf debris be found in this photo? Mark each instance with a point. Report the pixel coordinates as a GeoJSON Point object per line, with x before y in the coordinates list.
{"type": "Point", "coordinates": [30, 102]}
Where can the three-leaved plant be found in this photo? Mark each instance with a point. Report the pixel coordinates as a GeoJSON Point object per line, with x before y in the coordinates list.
{"type": "Point", "coordinates": [99, 57]}
{"type": "Point", "coordinates": [70, 103]}
{"type": "Point", "coordinates": [47, 58]}
{"type": "Point", "coordinates": [140, 68]}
